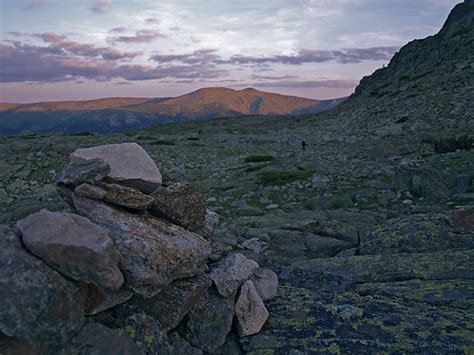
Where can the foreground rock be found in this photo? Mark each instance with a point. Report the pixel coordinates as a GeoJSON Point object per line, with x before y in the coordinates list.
{"type": "Point", "coordinates": [37, 304]}
{"type": "Point", "coordinates": [181, 204]}
{"type": "Point", "coordinates": [153, 252]}
{"type": "Point", "coordinates": [74, 246]}
{"type": "Point", "coordinates": [130, 165]}
{"type": "Point", "coordinates": [266, 283]}
{"type": "Point", "coordinates": [209, 321]}
{"type": "Point", "coordinates": [96, 338]}
{"type": "Point", "coordinates": [371, 304]}
{"type": "Point", "coordinates": [126, 197]}
{"type": "Point", "coordinates": [171, 305]}
{"type": "Point", "coordinates": [250, 311]}
{"type": "Point", "coordinates": [163, 303]}
{"type": "Point", "coordinates": [231, 272]}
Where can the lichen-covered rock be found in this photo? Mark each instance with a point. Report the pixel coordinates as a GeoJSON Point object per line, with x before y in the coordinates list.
{"type": "Point", "coordinates": [130, 165]}
{"type": "Point", "coordinates": [90, 191]}
{"type": "Point", "coordinates": [171, 305]}
{"type": "Point", "coordinates": [210, 224]}
{"type": "Point", "coordinates": [180, 346]}
{"type": "Point", "coordinates": [209, 321]}
{"type": "Point", "coordinates": [371, 304]}
{"type": "Point", "coordinates": [144, 330]}
{"type": "Point", "coordinates": [80, 171]}
{"type": "Point", "coordinates": [181, 204]}
{"type": "Point", "coordinates": [231, 272]}
{"type": "Point", "coordinates": [73, 245]}
{"type": "Point", "coordinates": [126, 197]}
{"type": "Point", "coordinates": [153, 252]}
{"type": "Point", "coordinates": [266, 283]}
{"type": "Point", "coordinates": [37, 304]}
{"type": "Point", "coordinates": [415, 234]}
{"type": "Point", "coordinates": [250, 311]}
{"type": "Point", "coordinates": [95, 338]}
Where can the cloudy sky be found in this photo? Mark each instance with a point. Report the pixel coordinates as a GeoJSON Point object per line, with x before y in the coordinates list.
{"type": "Point", "coordinates": [83, 49]}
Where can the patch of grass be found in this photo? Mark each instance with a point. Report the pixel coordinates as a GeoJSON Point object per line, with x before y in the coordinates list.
{"type": "Point", "coordinates": [447, 145]}
{"type": "Point", "coordinates": [81, 134]}
{"type": "Point", "coordinates": [258, 158]}
{"type": "Point", "coordinates": [193, 139]}
{"type": "Point", "coordinates": [29, 136]}
{"type": "Point", "coordinates": [403, 119]}
{"type": "Point", "coordinates": [255, 167]}
{"type": "Point", "coordinates": [283, 177]}
{"type": "Point", "coordinates": [162, 142]}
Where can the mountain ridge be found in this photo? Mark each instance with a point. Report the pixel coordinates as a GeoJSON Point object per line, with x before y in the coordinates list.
{"type": "Point", "coordinates": [119, 114]}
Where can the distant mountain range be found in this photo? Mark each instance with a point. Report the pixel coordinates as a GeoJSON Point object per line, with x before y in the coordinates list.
{"type": "Point", "coordinates": [122, 113]}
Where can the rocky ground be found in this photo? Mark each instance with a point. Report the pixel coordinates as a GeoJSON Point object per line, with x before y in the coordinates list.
{"type": "Point", "coordinates": [372, 238]}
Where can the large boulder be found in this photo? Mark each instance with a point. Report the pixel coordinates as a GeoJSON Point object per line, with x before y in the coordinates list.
{"type": "Point", "coordinates": [73, 245]}
{"type": "Point", "coordinates": [209, 321]}
{"type": "Point", "coordinates": [231, 272]}
{"type": "Point", "coordinates": [80, 171]}
{"type": "Point", "coordinates": [181, 204]}
{"type": "Point", "coordinates": [153, 252]}
{"type": "Point", "coordinates": [130, 164]}
{"type": "Point", "coordinates": [37, 304]}
{"type": "Point", "coordinates": [250, 311]}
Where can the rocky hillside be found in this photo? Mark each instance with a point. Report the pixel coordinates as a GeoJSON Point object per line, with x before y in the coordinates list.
{"type": "Point", "coordinates": [109, 102]}
{"type": "Point", "coordinates": [121, 114]}
{"type": "Point", "coordinates": [427, 87]}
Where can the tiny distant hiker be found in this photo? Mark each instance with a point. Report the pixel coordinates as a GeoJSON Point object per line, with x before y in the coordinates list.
{"type": "Point", "coordinates": [303, 145]}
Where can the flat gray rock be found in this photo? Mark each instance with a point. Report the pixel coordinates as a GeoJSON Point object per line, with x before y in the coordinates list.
{"type": "Point", "coordinates": [80, 171]}
{"type": "Point", "coordinates": [231, 272]}
{"type": "Point", "coordinates": [250, 311]}
{"type": "Point", "coordinates": [153, 252]}
{"type": "Point", "coordinates": [73, 245]}
{"type": "Point", "coordinates": [130, 164]}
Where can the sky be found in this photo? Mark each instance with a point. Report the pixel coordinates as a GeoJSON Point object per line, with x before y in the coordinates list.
{"type": "Point", "coordinates": [53, 50]}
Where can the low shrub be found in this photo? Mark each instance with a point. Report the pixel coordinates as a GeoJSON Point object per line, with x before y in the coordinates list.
{"type": "Point", "coordinates": [446, 145]}
{"type": "Point", "coordinates": [258, 158]}
{"type": "Point", "coordinates": [162, 142]}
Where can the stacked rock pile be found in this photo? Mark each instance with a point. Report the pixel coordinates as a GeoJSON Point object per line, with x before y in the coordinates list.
{"type": "Point", "coordinates": [135, 269]}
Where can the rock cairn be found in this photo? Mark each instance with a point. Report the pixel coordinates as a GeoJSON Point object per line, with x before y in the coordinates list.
{"type": "Point", "coordinates": [135, 268]}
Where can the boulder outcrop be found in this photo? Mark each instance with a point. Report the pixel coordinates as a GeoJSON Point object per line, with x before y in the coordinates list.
{"type": "Point", "coordinates": [134, 257]}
